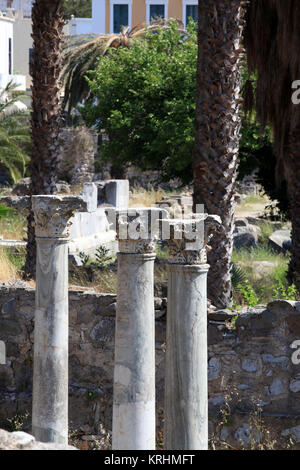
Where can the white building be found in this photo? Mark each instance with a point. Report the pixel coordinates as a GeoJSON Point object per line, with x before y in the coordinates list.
{"type": "Point", "coordinates": [20, 11]}
{"type": "Point", "coordinates": [109, 15]}
{"type": "Point", "coordinates": [7, 69]}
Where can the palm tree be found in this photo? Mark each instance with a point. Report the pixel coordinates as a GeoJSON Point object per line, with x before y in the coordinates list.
{"type": "Point", "coordinates": [14, 134]}
{"type": "Point", "coordinates": [47, 33]}
{"type": "Point", "coordinates": [217, 130]}
{"type": "Point", "coordinates": [82, 55]}
{"type": "Point", "coordinates": [272, 39]}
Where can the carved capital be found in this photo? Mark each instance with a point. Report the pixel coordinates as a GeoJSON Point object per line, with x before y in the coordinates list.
{"type": "Point", "coordinates": [137, 246]}
{"type": "Point", "coordinates": [188, 238]}
{"type": "Point", "coordinates": [136, 228]}
{"type": "Point", "coordinates": [52, 214]}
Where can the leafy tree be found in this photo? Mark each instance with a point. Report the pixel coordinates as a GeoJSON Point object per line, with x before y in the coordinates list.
{"type": "Point", "coordinates": [78, 8]}
{"type": "Point", "coordinates": [146, 102]}
{"type": "Point", "coordinates": [82, 54]}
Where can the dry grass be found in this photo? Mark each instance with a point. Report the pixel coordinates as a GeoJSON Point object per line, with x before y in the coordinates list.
{"type": "Point", "coordinates": [8, 270]}
{"type": "Point", "coordinates": [108, 284]}
{"type": "Point", "coordinates": [253, 206]}
{"type": "Point", "coordinates": [13, 227]}
{"type": "Point", "coordinates": [140, 197]}
{"type": "Point", "coordinates": [105, 283]}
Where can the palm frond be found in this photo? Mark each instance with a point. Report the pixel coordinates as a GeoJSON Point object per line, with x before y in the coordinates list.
{"type": "Point", "coordinates": [238, 276]}
{"type": "Point", "coordinates": [9, 96]}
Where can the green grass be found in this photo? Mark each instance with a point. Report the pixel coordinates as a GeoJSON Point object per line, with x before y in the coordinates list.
{"type": "Point", "coordinates": [254, 200]}
{"type": "Point", "coordinates": [260, 253]}
{"type": "Point", "coordinates": [260, 285]}
{"type": "Point", "coordinates": [13, 225]}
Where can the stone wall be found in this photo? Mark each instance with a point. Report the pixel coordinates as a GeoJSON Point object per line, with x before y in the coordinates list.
{"type": "Point", "coordinates": [250, 365]}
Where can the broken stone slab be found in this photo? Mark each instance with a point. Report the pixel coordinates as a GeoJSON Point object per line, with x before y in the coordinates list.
{"type": "Point", "coordinates": [261, 221]}
{"type": "Point", "coordinates": [280, 241]}
{"type": "Point", "coordinates": [222, 315]}
{"type": "Point", "coordinates": [20, 440]}
{"type": "Point", "coordinates": [284, 307]}
{"type": "Point", "coordinates": [21, 203]}
{"type": "Point", "coordinates": [241, 222]}
{"type": "Point", "coordinates": [12, 244]}
{"type": "Point", "coordinates": [245, 235]}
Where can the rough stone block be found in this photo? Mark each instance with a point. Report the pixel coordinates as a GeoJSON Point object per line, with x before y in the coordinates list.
{"type": "Point", "coordinates": [90, 196]}
{"type": "Point", "coordinates": [117, 193]}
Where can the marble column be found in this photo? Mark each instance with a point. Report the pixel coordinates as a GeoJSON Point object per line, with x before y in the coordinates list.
{"type": "Point", "coordinates": [134, 373]}
{"type": "Point", "coordinates": [186, 396]}
{"type": "Point", "coordinates": [50, 372]}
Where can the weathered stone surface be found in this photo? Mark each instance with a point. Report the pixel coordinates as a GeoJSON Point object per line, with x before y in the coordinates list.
{"type": "Point", "coordinates": [9, 327]}
{"type": "Point", "coordinates": [89, 194]}
{"type": "Point", "coordinates": [186, 394]}
{"type": "Point", "coordinates": [250, 364]}
{"type": "Point", "coordinates": [280, 240]}
{"type": "Point", "coordinates": [246, 434]}
{"type": "Point", "coordinates": [214, 368]}
{"type": "Point", "coordinates": [295, 385]}
{"type": "Point", "coordinates": [20, 440]}
{"type": "Point", "coordinates": [9, 307]}
{"type": "Point", "coordinates": [245, 235]}
{"type": "Point", "coordinates": [91, 366]}
{"type": "Point", "coordinates": [276, 388]}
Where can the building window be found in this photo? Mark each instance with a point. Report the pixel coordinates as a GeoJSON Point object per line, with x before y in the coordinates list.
{"type": "Point", "coordinates": [155, 9]}
{"type": "Point", "coordinates": [9, 56]}
{"type": "Point", "coordinates": [120, 13]}
{"type": "Point", "coordinates": [190, 10]}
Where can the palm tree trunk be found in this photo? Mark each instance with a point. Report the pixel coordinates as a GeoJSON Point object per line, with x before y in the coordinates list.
{"type": "Point", "coordinates": [217, 129]}
{"type": "Point", "coordinates": [47, 31]}
{"type": "Point", "coordinates": [292, 171]}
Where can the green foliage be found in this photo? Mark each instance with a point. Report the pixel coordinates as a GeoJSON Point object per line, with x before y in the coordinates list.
{"type": "Point", "coordinates": [250, 296]}
{"type": "Point", "coordinates": [238, 276]}
{"type": "Point", "coordinates": [78, 8]}
{"type": "Point", "coordinates": [85, 259]}
{"type": "Point", "coordinates": [146, 102]}
{"type": "Point", "coordinates": [14, 135]}
{"type": "Point", "coordinates": [102, 257]}
{"type": "Point", "coordinates": [283, 291]}
{"type": "Point", "coordinates": [5, 212]}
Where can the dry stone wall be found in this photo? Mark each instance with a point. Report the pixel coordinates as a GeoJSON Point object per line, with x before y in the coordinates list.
{"type": "Point", "coordinates": [254, 363]}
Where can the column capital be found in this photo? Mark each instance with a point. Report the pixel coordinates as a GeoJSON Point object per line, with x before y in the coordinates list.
{"type": "Point", "coordinates": [188, 239]}
{"type": "Point", "coordinates": [137, 228]}
{"type": "Point", "coordinates": [52, 214]}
